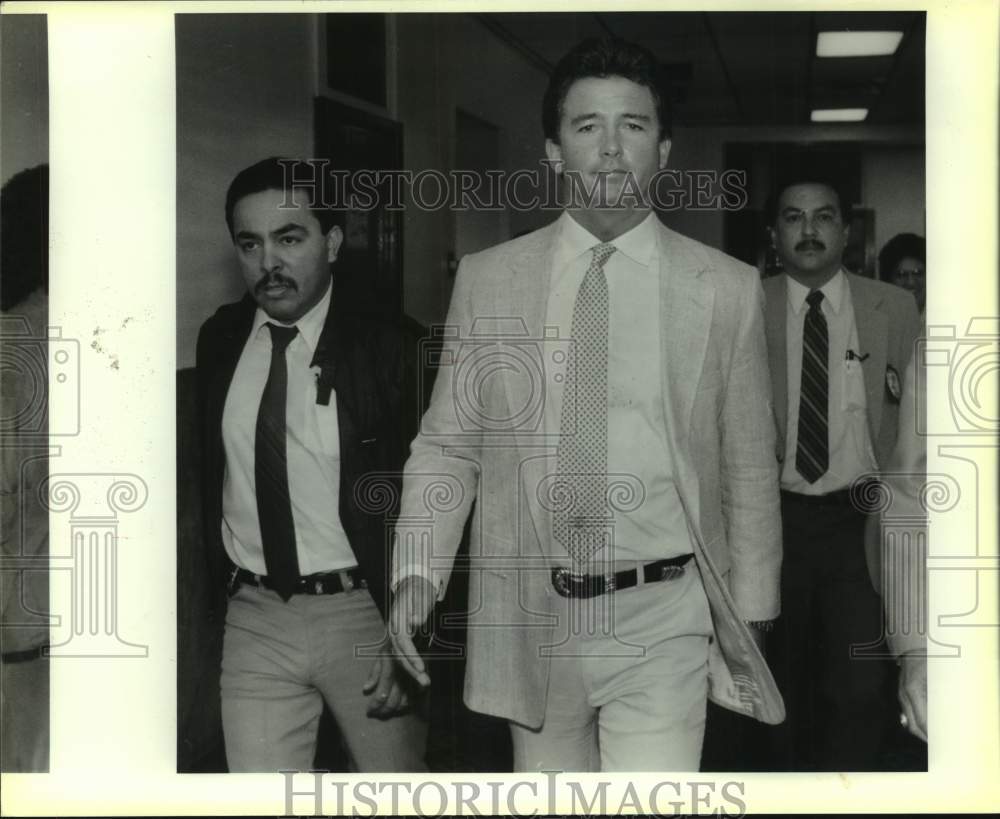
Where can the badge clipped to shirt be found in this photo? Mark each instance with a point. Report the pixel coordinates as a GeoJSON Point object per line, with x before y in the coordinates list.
{"type": "Point", "coordinates": [324, 384]}
{"type": "Point", "coordinates": [852, 393]}
{"type": "Point", "coordinates": [892, 384]}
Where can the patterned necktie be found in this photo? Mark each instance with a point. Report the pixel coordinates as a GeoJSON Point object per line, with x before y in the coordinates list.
{"type": "Point", "coordinates": [274, 505]}
{"type": "Point", "coordinates": [580, 523]}
{"type": "Point", "coordinates": [812, 456]}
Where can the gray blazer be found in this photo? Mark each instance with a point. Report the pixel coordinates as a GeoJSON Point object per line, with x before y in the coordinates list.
{"type": "Point", "coordinates": [482, 438]}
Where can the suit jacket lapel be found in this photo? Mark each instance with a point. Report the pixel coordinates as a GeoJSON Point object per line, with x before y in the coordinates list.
{"type": "Point", "coordinates": [329, 356]}
{"type": "Point", "coordinates": [776, 325]}
{"type": "Point", "coordinates": [686, 303]}
{"type": "Point", "coordinates": [523, 292]}
{"type": "Point", "coordinates": [873, 325]}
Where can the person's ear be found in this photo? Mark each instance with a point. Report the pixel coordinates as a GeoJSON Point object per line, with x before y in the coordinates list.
{"type": "Point", "coordinates": [554, 153]}
{"type": "Point", "coordinates": [334, 239]}
{"type": "Point", "coordinates": [664, 152]}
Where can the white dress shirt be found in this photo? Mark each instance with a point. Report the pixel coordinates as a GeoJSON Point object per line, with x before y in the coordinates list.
{"type": "Point", "coordinates": [851, 451]}
{"type": "Point", "coordinates": [313, 451]}
{"type": "Point", "coordinates": [650, 522]}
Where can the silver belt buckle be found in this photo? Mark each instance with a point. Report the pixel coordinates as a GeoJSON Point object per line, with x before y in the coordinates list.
{"type": "Point", "coordinates": [346, 581]}
{"type": "Point", "coordinates": [560, 579]}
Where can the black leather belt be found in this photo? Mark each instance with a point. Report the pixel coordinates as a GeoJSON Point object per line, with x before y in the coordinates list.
{"type": "Point", "coordinates": [573, 584]}
{"type": "Point", "coordinates": [320, 583]}
{"type": "Point", "coordinates": [35, 653]}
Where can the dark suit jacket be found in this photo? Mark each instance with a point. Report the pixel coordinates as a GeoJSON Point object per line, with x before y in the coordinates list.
{"type": "Point", "coordinates": [362, 357]}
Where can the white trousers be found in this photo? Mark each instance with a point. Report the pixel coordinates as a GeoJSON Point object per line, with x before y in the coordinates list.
{"type": "Point", "coordinates": [281, 661]}
{"type": "Point", "coordinates": [628, 683]}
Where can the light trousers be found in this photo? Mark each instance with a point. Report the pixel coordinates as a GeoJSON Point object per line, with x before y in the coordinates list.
{"type": "Point", "coordinates": [280, 663]}
{"type": "Point", "coordinates": [628, 683]}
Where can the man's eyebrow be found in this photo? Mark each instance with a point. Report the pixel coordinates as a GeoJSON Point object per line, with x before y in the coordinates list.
{"type": "Point", "coordinates": [581, 118]}
{"type": "Point", "coordinates": [640, 117]}
{"type": "Point", "coordinates": [290, 227]}
{"type": "Point", "coordinates": [793, 209]}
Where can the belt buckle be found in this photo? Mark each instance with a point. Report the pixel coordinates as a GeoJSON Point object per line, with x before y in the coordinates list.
{"type": "Point", "coordinates": [560, 580]}
{"type": "Point", "coordinates": [346, 581]}
{"type": "Point", "coordinates": [610, 583]}
{"type": "Point", "coordinates": [233, 583]}
{"type": "Point", "coordinates": [671, 572]}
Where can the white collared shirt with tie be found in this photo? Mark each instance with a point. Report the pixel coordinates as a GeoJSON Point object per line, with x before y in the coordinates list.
{"type": "Point", "coordinates": [651, 525]}
{"type": "Point", "coordinates": [850, 446]}
{"type": "Point", "coordinates": [313, 453]}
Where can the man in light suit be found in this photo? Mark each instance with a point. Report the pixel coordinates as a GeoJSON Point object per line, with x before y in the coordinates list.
{"type": "Point", "coordinates": [838, 346]}
{"type": "Point", "coordinates": [603, 395]}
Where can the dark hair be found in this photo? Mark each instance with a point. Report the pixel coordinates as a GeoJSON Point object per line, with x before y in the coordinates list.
{"type": "Point", "coordinates": [899, 247]}
{"type": "Point", "coordinates": [605, 57]}
{"type": "Point", "coordinates": [24, 235]}
{"type": "Point", "coordinates": [807, 172]}
{"type": "Point", "coordinates": [278, 174]}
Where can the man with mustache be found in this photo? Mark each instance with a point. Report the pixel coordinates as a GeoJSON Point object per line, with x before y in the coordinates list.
{"type": "Point", "coordinates": [838, 346]}
{"type": "Point", "coordinates": [300, 399]}
{"type": "Point", "coordinates": [619, 445]}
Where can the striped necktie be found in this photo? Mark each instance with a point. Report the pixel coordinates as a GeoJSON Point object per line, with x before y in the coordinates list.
{"type": "Point", "coordinates": [812, 455]}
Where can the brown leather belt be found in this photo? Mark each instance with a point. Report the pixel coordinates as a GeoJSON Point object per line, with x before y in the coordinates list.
{"type": "Point", "coordinates": [320, 583]}
{"type": "Point", "coordinates": [574, 584]}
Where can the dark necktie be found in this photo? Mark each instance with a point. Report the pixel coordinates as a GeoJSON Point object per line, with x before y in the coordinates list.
{"type": "Point", "coordinates": [274, 505]}
{"type": "Point", "coordinates": [812, 455]}
{"type": "Point", "coordinates": [580, 524]}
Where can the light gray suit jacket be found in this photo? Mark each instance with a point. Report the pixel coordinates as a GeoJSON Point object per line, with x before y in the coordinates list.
{"type": "Point", "coordinates": [888, 326]}
{"type": "Point", "coordinates": [482, 438]}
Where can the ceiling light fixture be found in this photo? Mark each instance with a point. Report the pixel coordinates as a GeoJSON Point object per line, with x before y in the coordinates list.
{"type": "Point", "coordinates": [857, 43]}
{"type": "Point", "coordinates": [839, 114]}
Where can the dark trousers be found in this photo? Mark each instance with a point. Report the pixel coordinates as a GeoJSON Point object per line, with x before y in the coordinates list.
{"type": "Point", "coordinates": [839, 707]}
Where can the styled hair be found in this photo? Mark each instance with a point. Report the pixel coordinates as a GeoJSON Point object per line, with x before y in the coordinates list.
{"type": "Point", "coordinates": [276, 174]}
{"type": "Point", "coordinates": [807, 171]}
{"type": "Point", "coordinates": [605, 57]}
{"type": "Point", "coordinates": [24, 228]}
{"type": "Point", "coordinates": [899, 247]}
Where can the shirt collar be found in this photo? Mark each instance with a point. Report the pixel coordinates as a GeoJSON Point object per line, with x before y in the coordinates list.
{"type": "Point", "coordinates": [833, 293]}
{"type": "Point", "coordinates": [310, 325]}
{"type": "Point", "coordinates": [638, 243]}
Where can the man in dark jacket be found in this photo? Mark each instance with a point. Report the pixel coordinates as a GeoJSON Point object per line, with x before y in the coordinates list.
{"type": "Point", "coordinates": [301, 405]}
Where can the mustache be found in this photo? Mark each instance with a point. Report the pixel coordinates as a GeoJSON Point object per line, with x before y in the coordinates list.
{"type": "Point", "coordinates": [810, 244]}
{"type": "Point", "coordinates": [275, 278]}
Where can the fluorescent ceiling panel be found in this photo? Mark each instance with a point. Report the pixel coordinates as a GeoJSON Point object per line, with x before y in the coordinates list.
{"type": "Point", "coordinates": [857, 43]}
{"type": "Point", "coordinates": [839, 114]}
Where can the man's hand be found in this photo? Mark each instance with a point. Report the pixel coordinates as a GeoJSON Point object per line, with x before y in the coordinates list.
{"type": "Point", "coordinates": [913, 692]}
{"type": "Point", "coordinates": [389, 695]}
{"type": "Point", "coordinates": [411, 607]}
